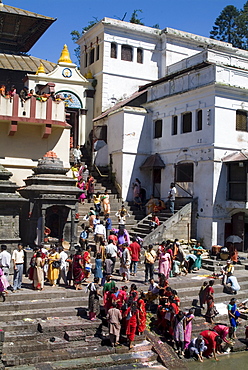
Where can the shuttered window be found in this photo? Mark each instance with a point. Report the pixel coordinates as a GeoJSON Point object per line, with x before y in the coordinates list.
{"type": "Point", "coordinates": [241, 120]}
{"type": "Point", "coordinates": [113, 52]}
{"type": "Point", "coordinates": [126, 53]}
{"type": "Point", "coordinates": [186, 122]}
{"type": "Point", "coordinates": [139, 55]}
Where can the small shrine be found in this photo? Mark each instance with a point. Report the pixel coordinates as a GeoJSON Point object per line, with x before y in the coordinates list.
{"type": "Point", "coordinates": [11, 204]}
{"type": "Point", "coordinates": [53, 203]}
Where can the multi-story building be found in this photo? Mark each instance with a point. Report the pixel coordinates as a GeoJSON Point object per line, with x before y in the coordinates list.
{"type": "Point", "coordinates": [188, 126]}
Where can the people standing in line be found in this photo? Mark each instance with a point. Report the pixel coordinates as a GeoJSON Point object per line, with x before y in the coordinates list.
{"type": "Point", "coordinates": [171, 197]}
{"type": "Point", "coordinates": [114, 318]}
{"type": "Point", "coordinates": [165, 263]}
{"type": "Point", "coordinates": [63, 266]}
{"type": "Point", "coordinates": [5, 260]}
{"type": "Point", "coordinates": [78, 269]}
{"type": "Point", "coordinates": [106, 202]}
{"type": "Point", "coordinates": [125, 263]}
{"type": "Point", "coordinates": [38, 274]}
{"type": "Point", "coordinates": [188, 327]}
{"type": "Point", "coordinates": [100, 236]}
{"type": "Point", "coordinates": [111, 250]}
{"type": "Point", "coordinates": [83, 238]}
{"type": "Point", "coordinates": [98, 266]}
{"type": "Point", "coordinates": [90, 187]}
{"type": "Point", "coordinates": [108, 224]}
{"type": "Point", "coordinates": [77, 155]}
{"type": "Point", "coordinates": [179, 329]}
{"type": "Point", "coordinates": [134, 249]}
{"type": "Point", "coordinates": [142, 313]}
{"type": "Point", "coordinates": [150, 258]}
{"type": "Point", "coordinates": [4, 284]}
{"type": "Point", "coordinates": [94, 299]}
{"type": "Point", "coordinates": [53, 266]}
{"type": "Point", "coordinates": [132, 317]}
{"type": "Point", "coordinates": [18, 262]}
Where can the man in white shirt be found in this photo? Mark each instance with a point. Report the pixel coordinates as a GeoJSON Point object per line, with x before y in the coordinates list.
{"type": "Point", "coordinates": [77, 154]}
{"type": "Point", "coordinates": [5, 258]}
{"type": "Point", "coordinates": [172, 197]}
{"type": "Point", "coordinates": [112, 250]}
{"type": "Point", "coordinates": [62, 269]}
{"type": "Point", "coordinates": [100, 236]}
{"type": "Point", "coordinates": [18, 261]}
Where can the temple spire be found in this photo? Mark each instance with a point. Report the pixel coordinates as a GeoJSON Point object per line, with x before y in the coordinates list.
{"type": "Point", "coordinates": [65, 56]}
{"type": "Point", "coordinates": [41, 69]}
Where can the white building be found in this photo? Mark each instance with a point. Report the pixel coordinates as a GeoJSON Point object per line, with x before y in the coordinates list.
{"type": "Point", "coordinates": [191, 124]}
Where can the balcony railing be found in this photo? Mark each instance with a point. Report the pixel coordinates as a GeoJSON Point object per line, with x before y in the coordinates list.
{"type": "Point", "coordinates": [48, 113]}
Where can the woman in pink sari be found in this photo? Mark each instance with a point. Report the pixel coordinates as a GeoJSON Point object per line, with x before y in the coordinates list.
{"type": "Point", "coordinates": [188, 328]}
{"type": "Point", "coordinates": [164, 266]}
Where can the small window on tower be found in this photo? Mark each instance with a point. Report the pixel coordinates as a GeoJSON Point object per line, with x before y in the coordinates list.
{"type": "Point", "coordinates": [97, 52]}
{"type": "Point", "coordinates": [113, 53]}
{"type": "Point", "coordinates": [174, 125]}
{"type": "Point", "coordinates": [241, 120]}
{"type": "Point", "coordinates": [139, 55]}
{"type": "Point", "coordinates": [199, 120]}
{"type": "Point", "coordinates": [92, 56]}
{"type": "Point", "coordinates": [126, 53]}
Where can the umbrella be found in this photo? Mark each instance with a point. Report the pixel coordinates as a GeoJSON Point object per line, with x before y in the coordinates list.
{"type": "Point", "coordinates": [234, 239]}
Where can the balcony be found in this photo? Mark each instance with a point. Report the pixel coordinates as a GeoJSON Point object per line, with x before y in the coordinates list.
{"type": "Point", "coordinates": [32, 112]}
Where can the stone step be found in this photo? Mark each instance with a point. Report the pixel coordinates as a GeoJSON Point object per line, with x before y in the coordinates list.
{"type": "Point", "coordinates": [63, 324]}
{"type": "Point", "coordinates": [99, 357]}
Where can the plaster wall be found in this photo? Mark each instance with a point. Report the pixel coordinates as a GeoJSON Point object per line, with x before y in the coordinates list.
{"type": "Point", "coordinates": [20, 153]}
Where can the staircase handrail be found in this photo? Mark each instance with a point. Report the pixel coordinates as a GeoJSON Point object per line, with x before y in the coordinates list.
{"type": "Point", "coordinates": [99, 172]}
{"type": "Point", "coordinates": [156, 236]}
{"type": "Point", "coordinates": [191, 196]}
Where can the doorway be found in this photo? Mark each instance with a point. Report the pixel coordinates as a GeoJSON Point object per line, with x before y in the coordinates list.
{"type": "Point", "coordinates": [157, 183]}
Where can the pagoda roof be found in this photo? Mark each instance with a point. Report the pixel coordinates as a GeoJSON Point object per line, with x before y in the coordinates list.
{"type": "Point", "coordinates": [24, 63]}
{"type": "Point", "coordinates": [20, 29]}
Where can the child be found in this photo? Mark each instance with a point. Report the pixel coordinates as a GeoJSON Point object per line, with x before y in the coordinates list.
{"type": "Point", "coordinates": [3, 283]}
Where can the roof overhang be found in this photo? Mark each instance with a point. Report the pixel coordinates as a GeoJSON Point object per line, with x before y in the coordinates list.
{"type": "Point", "coordinates": [20, 29]}
{"type": "Point", "coordinates": [154, 161]}
{"type": "Point", "coordinates": [236, 157]}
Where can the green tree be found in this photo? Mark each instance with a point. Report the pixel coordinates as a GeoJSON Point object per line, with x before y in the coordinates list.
{"type": "Point", "coordinates": [226, 27]}
{"type": "Point", "coordinates": [242, 22]}
{"type": "Point", "coordinates": [134, 17]}
{"type": "Point", "coordinates": [75, 35]}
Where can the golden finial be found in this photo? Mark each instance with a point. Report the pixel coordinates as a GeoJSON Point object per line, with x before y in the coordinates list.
{"type": "Point", "coordinates": [41, 69]}
{"type": "Point", "coordinates": [65, 56]}
{"type": "Point", "coordinates": [89, 75]}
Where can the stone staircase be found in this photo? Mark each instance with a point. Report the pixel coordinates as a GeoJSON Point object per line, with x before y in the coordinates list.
{"type": "Point", "coordinates": [50, 330]}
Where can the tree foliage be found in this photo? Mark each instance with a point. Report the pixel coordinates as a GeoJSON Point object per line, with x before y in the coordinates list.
{"type": "Point", "coordinates": [231, 26]}
{"type": "Point", "coordinates": [134, 17]}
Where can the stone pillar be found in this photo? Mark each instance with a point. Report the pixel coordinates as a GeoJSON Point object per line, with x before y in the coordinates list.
{"type": "Point", "coordinates": [73, 212]}
{"type": "Point", "coordinates": [43, 215]}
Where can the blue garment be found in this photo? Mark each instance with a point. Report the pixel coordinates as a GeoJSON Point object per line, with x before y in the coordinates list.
{"type": "Point", "coordinates": [108, 224]}
{"type": "Point", "coordinates": [235, 312]}
{"type": "Point", "coordinates": [98, 269]}
{"type": "Point", "coordinates": [18, 272]}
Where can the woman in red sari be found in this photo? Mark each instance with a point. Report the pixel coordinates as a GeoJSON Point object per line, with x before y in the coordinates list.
{"type": "Point", "coordinates": [78, 269]}
{"type": "Point", "coordinates": [212, 341]}
{"type": "Point", "coordinates": [132, 319]}
{"type": "Point", "coordinates": [122, 297]}
{"type": "Point", "coordinates": [211, 309]}
{"type": "Point", "coordinates": [142, 313]}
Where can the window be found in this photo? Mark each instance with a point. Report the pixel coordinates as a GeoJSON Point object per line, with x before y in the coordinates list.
{"type": "Point", "coordinates": [199, 120]}
{"type": "Point", "coordinates": [158, 129]}
{"type": "Point", "coordinates": [241, 120]}
{"type": "Point", "coordinates": [126, 53]}
{"type": "Point", "coordinates": [97, 52]}
{"type": "Point", "coordinates": [184, 172]}
{"type": "Point", "coordinates": [139, 55]}
{"type": "Point", "coordinates": [92, 56]}
{"type": "Point", "coordinates": [113, 52]}
{"type": "Point", "coordinates": [85, 59]}
{"type": "Point", "coordinates": [237, 173]}
{"type": "Point", "coordinates": [174, 125]}
{"type": "Point", "coordinates": [186, 122]}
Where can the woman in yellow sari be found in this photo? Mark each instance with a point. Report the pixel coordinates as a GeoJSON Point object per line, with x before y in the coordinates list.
{"type": "Point", "coordinates": [53, 272]}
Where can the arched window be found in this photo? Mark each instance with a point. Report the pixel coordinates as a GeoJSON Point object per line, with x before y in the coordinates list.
{"type": "Point", "coordinates": [127, 53]}
{"type": "Point", "coordinates": [113, 52]}
{"type": "Point", "coordinates": [139, 55]}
